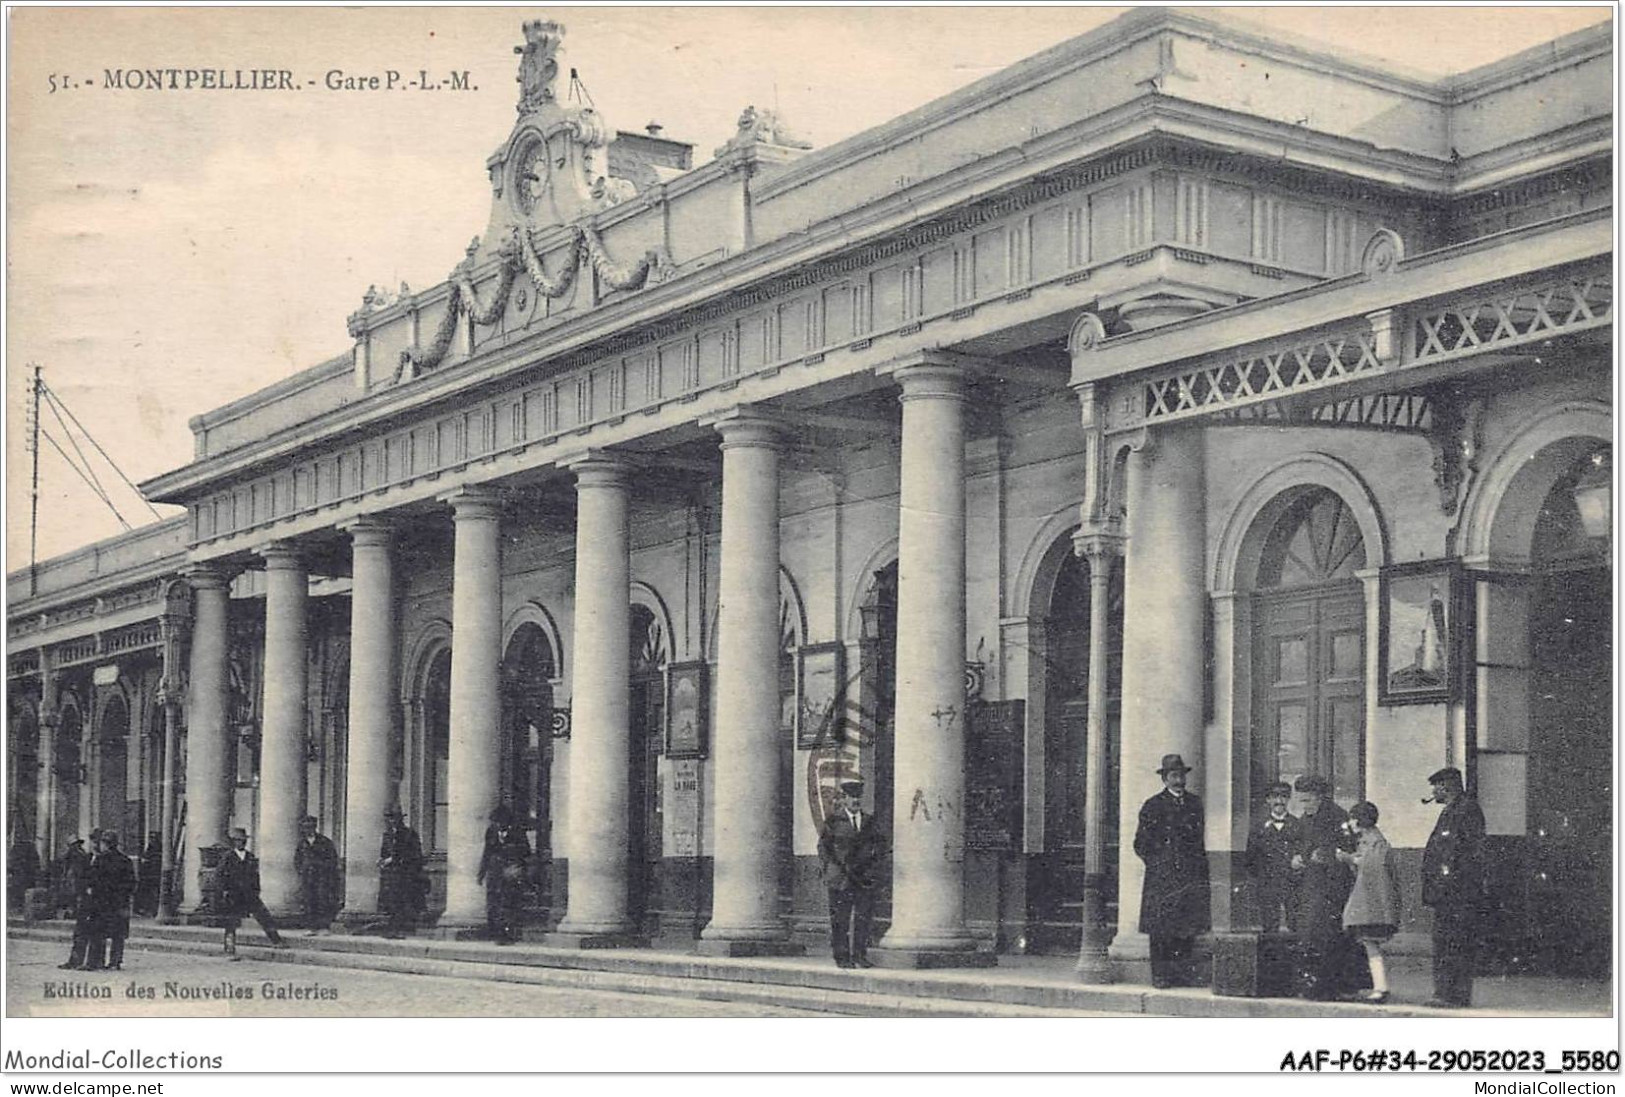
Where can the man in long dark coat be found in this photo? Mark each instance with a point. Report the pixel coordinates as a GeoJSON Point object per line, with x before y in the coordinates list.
{"type": "Point", "coordinates": [1453, 885]}
{"type": "Point", "coordinates": [1329, 954]}
{"type": "Point", "coordinates": [73, 876]}
{"type": "Point", "coordinates": [851, 854]}
{"type": "Point", "coordinates": [402, 887]}
{"type": "Point", "coordinates": [502, 871]}
{"type": "Point", "coordinates": [316, 861]}
{"type": "Point", "coordinates": [109, 887]}
{"type": "Point", "coordinates": [1174, 904]}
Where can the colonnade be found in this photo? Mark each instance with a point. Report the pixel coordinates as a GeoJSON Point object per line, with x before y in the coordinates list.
{"type": "Point", "coordinates": [928, 924]}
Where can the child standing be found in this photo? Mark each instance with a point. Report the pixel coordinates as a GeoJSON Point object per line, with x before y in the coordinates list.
{"type": "Point", "coordinates": [1371, 915]}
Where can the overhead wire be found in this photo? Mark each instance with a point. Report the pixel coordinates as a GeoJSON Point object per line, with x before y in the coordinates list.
{"type": "Point", "coordinates": [57, 401]}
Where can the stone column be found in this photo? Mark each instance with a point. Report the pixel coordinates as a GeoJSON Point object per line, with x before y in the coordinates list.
{"type": "Point", "coordinates": [207, 736]}
{"type": "Point", "coordinates": [369, 789]}
{"type": "Point", "coordinates": [596, 908]}
{"type": "Point", "coordinates": [45, 805]}
{"type": "Point", "coordinates": [473, 770]}
{"type": "Point", "coordinates": [282, 742]}
{"type": "Point", "coordinates": [928, 830]}
{"type": "Point", "coordinates": [1102, 551]}
{"type": "Point", "coordinates": [745, 917]}
{"type": "Point", "coordinates": [1164, 595]}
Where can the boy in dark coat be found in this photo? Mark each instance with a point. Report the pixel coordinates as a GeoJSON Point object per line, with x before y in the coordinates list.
{"type": "Point", "coordinates": [1174, 904]}
{"type": "Point", "coordinates": [502, 871]}
{"type": "Point", "coordinates": [1271, 849]}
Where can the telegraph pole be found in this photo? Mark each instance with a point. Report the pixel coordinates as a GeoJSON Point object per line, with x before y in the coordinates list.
{"type": "Point", "coordinates": [33, 500]}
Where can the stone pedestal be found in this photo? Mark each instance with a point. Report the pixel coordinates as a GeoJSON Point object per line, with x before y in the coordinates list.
{"type": "Point", "coordinates": [1094, 964]}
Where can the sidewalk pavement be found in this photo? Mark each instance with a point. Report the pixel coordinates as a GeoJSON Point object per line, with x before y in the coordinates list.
{"type": "Point", "coordinates": [1019, 985]}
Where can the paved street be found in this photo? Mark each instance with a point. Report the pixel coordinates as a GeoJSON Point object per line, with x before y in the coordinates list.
{"type": "Point", "coordinates": [200, 986]}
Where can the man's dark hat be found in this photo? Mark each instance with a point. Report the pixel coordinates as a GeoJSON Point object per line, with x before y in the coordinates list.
{"type": "Point", "coordinates": [1449, 775]}
{"type": "Point", "coordinates": [1279, 788]}
{"type": "Point", "coordinates": [76, 841]}
{"type": "Point", "coordinates": [393, 813]}
{"type": "Point", "coordinates": [1313, 782]}
{"type": "Point", "coordinates": [237, 832]}
{"type": "Point", "coordinates": [311, 819]}
{"type": "Point", "coordinates": [852, 788]}
{"type": "Point", "coordinates": [501, 815]}
{"type": "Point", "coordinates": [1172, 762]}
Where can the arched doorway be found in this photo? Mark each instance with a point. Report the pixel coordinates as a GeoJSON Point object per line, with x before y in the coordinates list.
{"type": "Point", "coordinates": [647, 720]}
{"type": "Point", "coordinates": [1309, 648]}
{"type": "Point", "coordinates": [112, 771]}
{"type": "Point", "coordinates": [527, 745]}
{"type": "Point", "coordinates": [1055, 895]}
{"type": "Point", "coordinates": [1571, 763]}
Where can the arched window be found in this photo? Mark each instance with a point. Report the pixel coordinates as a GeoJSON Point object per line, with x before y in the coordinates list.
{"type": "Point", "coordinates": [437, 747]}
{"type": "Point", "coordinates": [1309, 648]}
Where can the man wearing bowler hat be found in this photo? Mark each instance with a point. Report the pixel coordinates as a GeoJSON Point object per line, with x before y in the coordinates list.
{"type": "Point", "coordinates": [1174, 904]}
{"type": "Point", "coordinates": [851, 850]}
{"type": "Point", "coordinates": [1453, 885]}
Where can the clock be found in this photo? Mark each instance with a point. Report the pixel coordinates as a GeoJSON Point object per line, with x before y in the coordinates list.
{"type": "Point", "coordinates": [530, 177]}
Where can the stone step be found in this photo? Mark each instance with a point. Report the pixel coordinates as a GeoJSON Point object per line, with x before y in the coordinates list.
{"type": "Point", "coordinates": [1029, 987]}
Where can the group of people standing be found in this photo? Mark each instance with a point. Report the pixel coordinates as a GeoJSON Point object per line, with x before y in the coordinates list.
{"type": "Point", "coordinates": [103, 885]}
{"type": "Point", "coordinates": [1327, 876]}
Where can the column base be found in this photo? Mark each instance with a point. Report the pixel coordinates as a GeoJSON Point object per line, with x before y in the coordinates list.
{"type": "Point", "coordinates": [594, 940]}
{"type": "Point", "coordinates": [1096, 968]}
{"type": "Point", "coordinates": [749, 948]}
{"type": "Point", "coordinates": [1130, 957]}
{"type": "Point", "coordinates": [916, 959]}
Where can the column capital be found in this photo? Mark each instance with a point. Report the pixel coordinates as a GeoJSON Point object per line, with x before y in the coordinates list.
{"type": "Point", "coordinates": [473, 502]}
{"type": "Point", "coordinates": [208, 576]}
{"type": "Point", "coordinates": [1101, 545]}
{"type": "Point", "coordinates": [596, 468]}
{"type": "Point", "coordinates": [281, 556]}
{"type": "Point", "coordinates": [369, 531]}
{"type": "Point", "coordinates": [932, 373]}
{"type": "Point", "coordinates": [748, 426]}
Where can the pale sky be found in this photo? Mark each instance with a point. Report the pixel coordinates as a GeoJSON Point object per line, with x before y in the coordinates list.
{"type": "Point", "coordinates": [169, 252]}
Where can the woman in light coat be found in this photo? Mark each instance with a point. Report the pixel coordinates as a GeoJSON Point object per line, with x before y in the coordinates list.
{"type": "Point", "coordinates": [1371, 915]}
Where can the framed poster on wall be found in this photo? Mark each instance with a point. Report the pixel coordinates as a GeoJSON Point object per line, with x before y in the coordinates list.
{"type": "Point", "coordinates": [1419, 638]}
{"type": "Point", "coordinates": [818, 703]}
{"type": "Point", "coordinates": [685, 710]}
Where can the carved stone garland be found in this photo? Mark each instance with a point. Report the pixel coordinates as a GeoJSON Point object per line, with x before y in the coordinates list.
{"type": "Point", "coordinates": [519, 250]}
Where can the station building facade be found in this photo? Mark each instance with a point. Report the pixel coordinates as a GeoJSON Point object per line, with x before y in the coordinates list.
{"type": "Point", "coordinates": [1180, 389]}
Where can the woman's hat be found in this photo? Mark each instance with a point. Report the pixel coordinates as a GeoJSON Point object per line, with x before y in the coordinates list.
{"type": "Point", "coordinates": [1314, 782]}
{"type": "Point", "coordinates": [1173, 762]}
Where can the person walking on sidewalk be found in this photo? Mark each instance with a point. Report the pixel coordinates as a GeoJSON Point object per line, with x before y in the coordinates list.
{"type": "Point", "coordinates": [240, 894]}
{"type": "Point", "coordinates": [851, 850]}
{"type": "Point", "coordinates": [1371, 915]}
{"type": "Point", "coordinates": [1453, 885]}
{"type": "Point", "coordinates": [72, 892]}
{"type": "Point", "coordinates": [1174, 902]}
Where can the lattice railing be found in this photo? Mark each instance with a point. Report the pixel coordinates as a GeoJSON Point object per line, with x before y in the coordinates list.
{"type": "Point", "coordinates": [1528, 314]}
{"type": "Point", "coordinates": [1404, 411]}
{"type": "Point", "coordinates": [1317, 363]}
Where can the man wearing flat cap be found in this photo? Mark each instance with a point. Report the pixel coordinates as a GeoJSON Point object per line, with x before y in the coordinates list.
{"type": "Point", "coordinates": [851, 853]}
{"type": "Point", "coordinates": [1453, 885]}
{"type": "Point", "coordinates": [1174, 904]}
